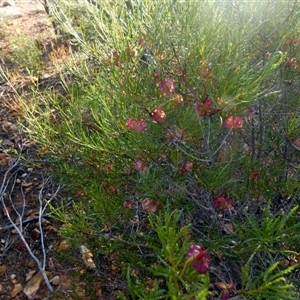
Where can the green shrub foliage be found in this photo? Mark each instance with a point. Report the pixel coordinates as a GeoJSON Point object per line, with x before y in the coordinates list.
{"type": "Point", "coordinates": [180, 126]}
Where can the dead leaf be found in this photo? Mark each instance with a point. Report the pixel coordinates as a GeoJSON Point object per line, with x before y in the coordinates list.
{"type": "Point", "coordinates": [2, 156]}
{"type": "Point", "coordinates": [87, 257]}
{"type": "Point", "coordinates": [64, 245]}
{"type": "Point", "coordinates": [2, 269]}
{"type": "Point", "coordinates": [228, 228]}
{"type": "Point", "coordinates": [32, 264]}
{"type": "Point", "coordinates": [17, 289]}
{"type": "Point", "coordinates": [65, 283]}
{"type": "Point", "coordinates": [32, 215]}
{"type": "Point", "coordinates": [51, 229]}
{"type": "Point", "coordinates": [99, 293]}
{"type": "Point", "coordinates": [4, 162]}
{"type": "Point", "coordinates": [40, 186]}
{"type": "Point", "coordinates": [27, 190]}
{"type": "Point", "coordinates": [55, 280]}
{"type": "Point", "coordinates": [50, 264]}
{"type": "Point", "coordinates": [21, 247]}
{"type": "Point", "coordinates": [35, 234]}
{"type": "Point", "coordinates": [29, 275]}
{"type": "Point", "coordinates": [15, 231]}
{"type": "Point", "coordinates": [34, 284]}
{"type": "Point", "coordinates": [6, 211]}
{"type": "Point", "coordinates": [27, 184]}
{"type": "Point", "coordinates": [45, 222]}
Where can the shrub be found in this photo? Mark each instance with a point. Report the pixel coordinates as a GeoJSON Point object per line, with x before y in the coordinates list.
{"type": "Point", "coordinates": [181, 128]}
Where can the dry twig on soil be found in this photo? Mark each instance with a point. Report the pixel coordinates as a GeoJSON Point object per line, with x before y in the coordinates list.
{"type": "Point", "coordinates": [6, 191]}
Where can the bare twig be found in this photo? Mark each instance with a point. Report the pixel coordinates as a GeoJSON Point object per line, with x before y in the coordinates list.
{"type": "Point", "coordinates": [6, 227]}
{"type": "Point", "coordinates": [9, 175]}
{"type": "Point", "coordinates": [41, 213]}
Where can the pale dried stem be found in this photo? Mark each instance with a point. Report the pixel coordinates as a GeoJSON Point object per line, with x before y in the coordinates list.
{"type": "Point", "coordinates": [41, 214]}
{"type": "Point", "coordinates": [10, 175]}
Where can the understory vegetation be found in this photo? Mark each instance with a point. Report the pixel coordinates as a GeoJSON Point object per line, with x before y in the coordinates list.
{"type": "Point", "coordinates": [178, 133]}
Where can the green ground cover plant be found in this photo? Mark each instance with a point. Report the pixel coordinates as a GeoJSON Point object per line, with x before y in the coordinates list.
{"type": "Point", "coordinates": [27, 54]}
{"type": "Point", "coordinates": [179, 136]}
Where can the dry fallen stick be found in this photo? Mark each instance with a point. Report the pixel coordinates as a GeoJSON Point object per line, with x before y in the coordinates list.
{"type": "Point", "coordinates": [23, 222]}
{"type": "Point", "coordinates": [9, 175]}
{"type": "Point", "coordinates": [6, 227]}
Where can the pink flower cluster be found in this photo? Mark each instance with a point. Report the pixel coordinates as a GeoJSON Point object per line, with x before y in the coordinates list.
{"type": "Point", "coordinates": [186, 168]}
{"type": "Point", "coordinates": [80, 193]}
{"type": "Point", "coordinates": [177, 99]}
{"type": "Point", "coordinates": [158, 115]}
{"type": "Point", "coordinates": [142, 42]}
{"type": "Point", "coordinates": [233, 122]}
{"type": "Point", "coordinates": [167, 86]}
{"type": "Point", "coordinates": [254, 176]}
{"type": "Point", "coordinates": [148, 205]}
{"type": "Point", "coordinates": [221, 201]}
{"type": "Point", "coordinates": [204, 108]}
{"type": "Point", "coordinates": [226, 289]}
{"type": "Point", "coordinates": [137, 125]}
{"type": "Point", "coordinates": [140, 166]}
{"type": "Point", "coordinates": [297, 144]}
{"type": "Point", "coordinates": [114, 58]}
{"type": "Point", "coordinates": [199, 258]}
{"type": "Point", "coordinates": [129, 204]}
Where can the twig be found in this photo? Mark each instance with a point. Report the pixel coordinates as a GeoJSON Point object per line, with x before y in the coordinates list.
{"type": "Point", "coordinates": [41, 212]}
{"type": "Point", "coordinates": [23, 222]}
{"type": "Point", "coordinates": [4, 186]}
{"type": "Point", "coordinates": [30, 220]}
{"type": "Point", "coordinates": [222, 143]}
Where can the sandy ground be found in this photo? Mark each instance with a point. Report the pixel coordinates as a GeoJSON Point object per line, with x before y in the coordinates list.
{"type": "Point", "coordinates": [24, 17]}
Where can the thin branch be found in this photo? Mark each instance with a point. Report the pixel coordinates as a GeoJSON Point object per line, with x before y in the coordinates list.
{"type": "Point", "coordinates": [4, 186]}
{"type": "Point", "coordinates": [41, 213]}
